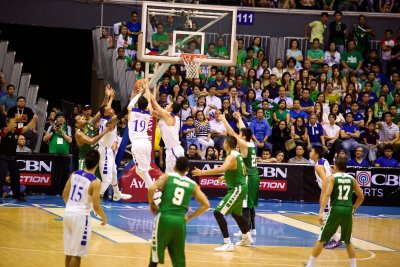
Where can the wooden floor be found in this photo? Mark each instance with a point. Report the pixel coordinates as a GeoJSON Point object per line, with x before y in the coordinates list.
{"type": "Point", "coordinates": [33, 237]}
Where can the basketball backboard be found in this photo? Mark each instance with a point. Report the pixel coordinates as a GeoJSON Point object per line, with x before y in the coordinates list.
{"type": "Point", "coordinates": [170, 29]}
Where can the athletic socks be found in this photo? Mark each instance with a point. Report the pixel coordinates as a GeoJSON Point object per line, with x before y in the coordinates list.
{"type": "Point", "coordinates": [311, 262]}
{"type": "Point", "coordinates": [353, 262]}
{"type": "Point", "coordinates": [227, 240]}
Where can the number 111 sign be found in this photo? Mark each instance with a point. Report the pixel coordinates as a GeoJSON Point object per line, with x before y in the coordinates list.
{"type": "Point", "coordinates": [245, 18]}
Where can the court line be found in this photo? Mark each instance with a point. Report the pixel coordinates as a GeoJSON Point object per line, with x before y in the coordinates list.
{"type": "Point", "coordinates": [146, 258]}
{"type": "Point", "coordinates": [108, 231]}
{"type": "Point", "coordinates": [362, 244]}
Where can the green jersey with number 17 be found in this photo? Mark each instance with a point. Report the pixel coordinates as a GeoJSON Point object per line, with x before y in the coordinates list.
{"type": "Point", "coordinates": [342, 191]}
{"type": "Point", "coordinates": [176, 194]}
{"type": "Point", "coordinates": [251, 160]}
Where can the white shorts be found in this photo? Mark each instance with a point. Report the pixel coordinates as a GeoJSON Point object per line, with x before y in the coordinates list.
{"type": "Point", "coordinates": [171, 155]}
{"type": "Point", "coordinates": [141, 152]}
{"type": "Point", "coordinates": [107, 165]}
{"type": "Point", "coordinates": [77, 232]}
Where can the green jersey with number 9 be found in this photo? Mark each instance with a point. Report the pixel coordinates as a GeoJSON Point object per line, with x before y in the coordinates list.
{"type": "Point", "coordinates": [251, 160]}
{"type": "Point", "coordinates": [176, 194]}
{"type": "Point", "coordinates": [342, 192]}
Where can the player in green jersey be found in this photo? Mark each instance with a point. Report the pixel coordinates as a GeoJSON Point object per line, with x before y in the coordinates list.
{"type": "Point", "coordinates": [249, 154]}
{"type": "Point", "coordinates": [338, 188]}
{"type": "Point", "coordinates": [170, 222]}
{"type": "Point", "coordinates": [235, 178]}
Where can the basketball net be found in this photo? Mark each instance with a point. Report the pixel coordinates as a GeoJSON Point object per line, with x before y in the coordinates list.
{"type": "Point", "coordinates": [192, 63]}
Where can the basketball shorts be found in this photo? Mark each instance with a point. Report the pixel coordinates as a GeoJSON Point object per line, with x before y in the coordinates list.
{"type": "Point", "coordinates": [253, 183]}
{"type": "Point", "coordinates": [107, 164]}
{"type": "Point", "coordinates": [338, 216]}
{"type": "Point", "coordinates": [141, 152]}
{"type": "Point", "coordinates": [77, 230]}
{"type": "Point", "coordinates": [169, 232]}
{"type": "Point", "coordinates": [171, 155]}
{"type": "Point", "coordinates": [232, 203]}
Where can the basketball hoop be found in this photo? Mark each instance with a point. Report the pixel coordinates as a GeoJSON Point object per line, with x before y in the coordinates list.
{"type": "Point", "coordinates": [192, 64]}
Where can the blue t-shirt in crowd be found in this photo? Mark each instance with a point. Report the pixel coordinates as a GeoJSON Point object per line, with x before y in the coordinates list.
{"type": "Point", "coordinates": [349, 129]}
{"type": "Point", "coordinates": [306, 103]}
{"type": "Point", "coordinates": [315, 132]}
{"type": "Point", "coordinates": [358, 116]}
{"type": "Point", "coordinates": [355, 163]}
{"type": "Point", "coordinates": [294, 115]}
{"type": "Point", "coordinates": [373, 98]}
{"type": "Point", "coordinates": [134, 27]}
{"type": "Point", "coordinates": [260, 129]}
{"type": "Point", "coordinates": [190, 135]}
{"type": "Point", "coordinates": [385, 162]}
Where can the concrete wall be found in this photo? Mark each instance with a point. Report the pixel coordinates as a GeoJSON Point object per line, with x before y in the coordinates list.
{"type": "Point", "coordinates": [81, 15]}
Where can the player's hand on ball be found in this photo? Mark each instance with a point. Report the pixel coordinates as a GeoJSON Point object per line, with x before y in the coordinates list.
{"type": "Point", "coordinates": [196, 172]}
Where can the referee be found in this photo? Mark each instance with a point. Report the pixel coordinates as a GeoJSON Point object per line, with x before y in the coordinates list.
{"type": "Point", "coordinates": [8, 145]}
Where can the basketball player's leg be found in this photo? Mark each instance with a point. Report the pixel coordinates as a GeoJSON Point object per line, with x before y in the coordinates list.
{"type": "Point", "coordinates": [104, 167]}
{"type": "Point", "coordinates": [171, 155]}
{"type": "Point", "coordinates": [77, 231]}
{"type": "Point", "coordinates": [158, 241]}
{"type": "Point", "coordinates": [141, 152]}
{"type": "Point", "coordinates": [219, 213]}
{"type": "Point", "coordinates": [176, 246]}
{"type": "Point", "coordinates": [254, 187]}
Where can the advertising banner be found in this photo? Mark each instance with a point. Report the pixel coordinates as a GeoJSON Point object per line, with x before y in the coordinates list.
{"type": "Point", "coordinates": [44, 173]}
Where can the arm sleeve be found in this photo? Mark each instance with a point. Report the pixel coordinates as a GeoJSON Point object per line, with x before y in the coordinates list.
{"type": "Point", "coordinates": [134, 100]}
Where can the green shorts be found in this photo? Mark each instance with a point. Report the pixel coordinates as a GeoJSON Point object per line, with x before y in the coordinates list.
{"type": "Point", "coordinates": [169, 231]}
{"type": "Point", "coordinates": [338, 216]}
{"type": "Point", "coordinates": [233, 201]}
{"type": "Point", "coordinates": [81, 166]}
{"type": "Point", "coordinates": [253, 183]}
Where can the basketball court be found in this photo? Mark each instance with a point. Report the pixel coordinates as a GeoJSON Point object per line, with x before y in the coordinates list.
{"type": "Point", "coordinates": [286, 232]}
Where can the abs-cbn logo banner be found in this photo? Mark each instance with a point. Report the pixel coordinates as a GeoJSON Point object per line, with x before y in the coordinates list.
{"type": "Point", "coordinates": [265, 185]}
{"type": "Point", "coordinates": [41, 179]}
{"type": "Point", "coordinates": [264, 171]}
{"type": "Point", "coordinates": [36, 172]}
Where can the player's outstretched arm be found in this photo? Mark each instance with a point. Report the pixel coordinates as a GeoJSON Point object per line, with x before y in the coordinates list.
{"type": "Point", "coordinates": [81, 138]}
{"type": "Point", "coordinates": [229, 164]}
{"type": "Point", "coordinates": [325, 194]}
{"type": "Point", "coordinates": [66, 190]}
{"type": "Point", "coordinates": [158, 185]}
{"type": "Point", "coordinates": [204, 203]}
{"type": "Point", "coordinates": [107, 95]}
{"type": "Point", "coordinates": [360, 196]}
{"type": "Point", "coordinates": [94, 192]}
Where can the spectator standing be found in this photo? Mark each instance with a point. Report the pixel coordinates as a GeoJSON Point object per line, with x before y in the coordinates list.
{"type": "Point", "coordinates": [9, 100]}
{"type": "Point", "coordinates": [134, 26]}
{"type": "Point", "coordinates": [21, 145]}
{"type": "Point", "coordinates": [121, 55]}
{"type": "Point", "coordinates": [295, 53]}
{"type": "Point", "coordinates": [387, 44]}
{"type": "Point", "coordinates": [8, 147]}
{"type": "Point", "coordinates": [316, 56]}
{"type": "Point", "coordinates": [23, 115]}
{"type": "Point", "coordinates": [59, 136]}
{"type": "Point", "coordinates": [160, 39]}
{"type": "Point", "coordinates": [361, 33]}
{"type": "Point", "coordinates": [337, 31]}
{"type": "Point", "coordinates": [318, 28]}
{"type": "Point", "coordinates": [126, 41]}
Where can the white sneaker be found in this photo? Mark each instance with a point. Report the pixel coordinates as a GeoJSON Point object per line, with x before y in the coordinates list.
{"type": "Point", "coordinates": [245, 241]}
{"type": "Point", "coordinates": [119, 196]}
{"type": "Point", "coordinates": [225, 248]}
{"type": "Point", "coordinates": [253, 232]}
{"type": "Point", "coordinates": [238, 233]}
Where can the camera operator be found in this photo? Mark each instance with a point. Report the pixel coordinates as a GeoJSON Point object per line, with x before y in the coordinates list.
{"type": "Point", "coordinates": [58, 135]}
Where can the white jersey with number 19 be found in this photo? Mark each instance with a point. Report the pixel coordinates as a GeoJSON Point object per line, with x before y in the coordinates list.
{"type": "Point", "coordinates": [138, 124]}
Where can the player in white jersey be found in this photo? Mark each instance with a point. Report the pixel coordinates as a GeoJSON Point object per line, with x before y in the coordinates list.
{"type": "Point", "coordinates": [138, 124]}
{"type": "Point", "coordinates": [322, 171]}
{"type": "Point", "coordinates": [108, 144]}
{"type": "Point", "coordinates": [81, 192]}
{"type": "Point", "coordinates": [169, 124]}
